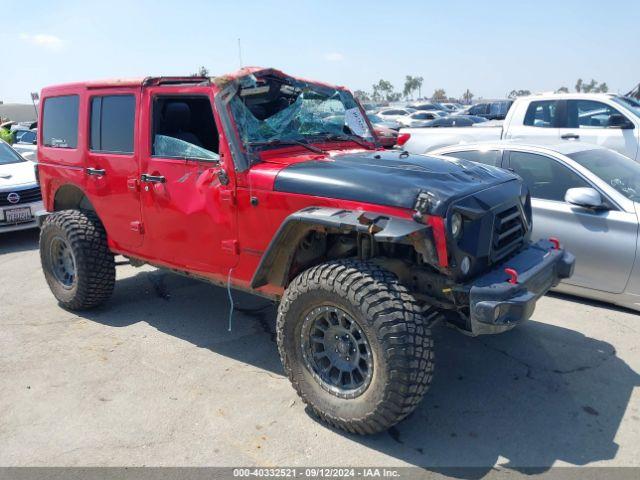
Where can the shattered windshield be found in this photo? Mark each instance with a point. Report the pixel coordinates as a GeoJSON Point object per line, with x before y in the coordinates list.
{"type": "Point", "coordinates": [274, 110]}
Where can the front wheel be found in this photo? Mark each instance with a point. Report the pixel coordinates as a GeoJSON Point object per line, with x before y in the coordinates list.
{"type": "Point", "coordinates": [355, 345]}
{"type": "Point", "coordinates": [76, 260]}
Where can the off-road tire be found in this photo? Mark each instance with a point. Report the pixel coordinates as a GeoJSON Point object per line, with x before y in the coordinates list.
{"type": "Point", "coordinates": [396, 328]}
{"type": "Point", "coordinates": [95, 271]}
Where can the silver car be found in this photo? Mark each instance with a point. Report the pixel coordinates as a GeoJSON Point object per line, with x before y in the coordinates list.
{"type": "Point", "coordinates": [586, 196]}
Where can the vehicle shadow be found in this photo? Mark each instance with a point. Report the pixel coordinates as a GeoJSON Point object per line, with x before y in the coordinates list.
{"type": "Point", "coordinates": [590, 302]}
{"type": "Point", "coordinates": [524, 399]}
{"type": "Point", "coordinates": [20, 241]}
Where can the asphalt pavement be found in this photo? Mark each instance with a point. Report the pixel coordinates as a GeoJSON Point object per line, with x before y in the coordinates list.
{"type": "Point", "coordinates": [155, 378]}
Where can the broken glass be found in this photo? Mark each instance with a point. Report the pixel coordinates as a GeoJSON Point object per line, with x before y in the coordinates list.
{"type": "Point", "coordinates": [297, 111]}
{"type": "Point", "coordinates": [171, 147]}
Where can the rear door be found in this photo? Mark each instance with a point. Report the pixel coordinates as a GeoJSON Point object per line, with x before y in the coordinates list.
{"type": "Point", "coordinates": [603, 241]}
{"type": "Point", "coordinates": [536, 121]}
{"type": "Point", "coordinates": [111, 167]}
{"type": "Point", "coordinates": [589, 121]}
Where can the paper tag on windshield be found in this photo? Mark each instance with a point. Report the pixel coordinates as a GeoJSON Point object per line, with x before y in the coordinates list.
{"type": "Point", "coordinates": [354, 120]}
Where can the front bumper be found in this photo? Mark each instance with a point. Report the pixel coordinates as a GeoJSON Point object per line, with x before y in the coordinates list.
{"type": "Point", "coordinates": [6, 226]}
{"type": "Point", "coordinates": [496, 305]}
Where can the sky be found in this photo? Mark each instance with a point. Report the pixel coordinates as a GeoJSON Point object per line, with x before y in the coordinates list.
{"type": "Point", "coordinates": [488, 47]}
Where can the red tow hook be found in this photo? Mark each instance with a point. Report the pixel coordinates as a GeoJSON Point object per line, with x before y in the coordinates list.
{"type": "Point", "coordinates": [556, 243]}
{"type": "Point", "coordinates": [513, 275]}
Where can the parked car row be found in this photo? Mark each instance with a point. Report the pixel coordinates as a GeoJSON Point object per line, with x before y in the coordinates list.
{"type": "Point", "coordinates": [434, 114]}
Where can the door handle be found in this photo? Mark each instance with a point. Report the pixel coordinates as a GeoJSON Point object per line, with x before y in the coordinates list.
{"type": "Point", "coordinates": [145, 177]}
{"type": "Point", "coordinates": [98, 172]}
{"type": "Point", "coordinates": [568, 136]}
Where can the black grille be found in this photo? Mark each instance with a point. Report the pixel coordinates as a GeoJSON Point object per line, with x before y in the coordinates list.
{"type": "Point", "coordinates": [508, 232]}
{"type": "Point", "coordinates": [26, 196]}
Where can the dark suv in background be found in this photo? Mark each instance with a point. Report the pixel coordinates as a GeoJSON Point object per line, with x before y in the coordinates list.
{"type": "Point", "coordinates": [495, 110]}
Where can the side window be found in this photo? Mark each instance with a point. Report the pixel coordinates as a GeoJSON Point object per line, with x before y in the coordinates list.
{"type": "Point", "coordinates": [183, 127]}
{"type": "Point", "coordinates": [112, 123]}
{"type": "Point", "coordinates": [60, 122]}
{"type": "Point", "coordinates": [546, 178]}
{"type": "Point", "coordinates": [490, 157]}
{"type": "Point", "coordinates": [542, 114]}
{"type": "Point", "coordinates": [589, 114]}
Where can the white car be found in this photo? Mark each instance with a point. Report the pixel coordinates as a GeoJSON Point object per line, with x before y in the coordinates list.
{"type": "Point", "coordinates": [452, 107]}
{"type": "Point", "coordinates": [26, 145]}
{"type": "Point", "coordinates": [421, 118]}
{"type": "Point", "coordinates": [20, 196]}
{"type": "Point", "coordinates": [397, 114]}
{"type": "Point", "coordinates": [606, 120]}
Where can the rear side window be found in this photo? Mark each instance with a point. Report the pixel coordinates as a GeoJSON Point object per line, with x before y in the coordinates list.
{"type": "Point", "coordinates": [112, 123]}
{"type": "Point", "coordinates": [489, 157]}
{"type": "Point", "coordinates": [542, 114]}
{"type": "Point", "coordinates": [60, 122]}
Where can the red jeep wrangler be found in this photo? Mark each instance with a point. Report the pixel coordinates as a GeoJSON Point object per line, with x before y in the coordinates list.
{"type": "Point", "coordinates": [275, 185]}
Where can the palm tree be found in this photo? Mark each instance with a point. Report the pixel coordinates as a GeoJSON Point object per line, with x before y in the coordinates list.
{"type": "Point", "coordinates": [418, 84]}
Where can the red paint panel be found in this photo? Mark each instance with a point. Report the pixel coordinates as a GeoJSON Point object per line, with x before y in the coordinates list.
{"type": "Point", "coordinates": [440, 237]}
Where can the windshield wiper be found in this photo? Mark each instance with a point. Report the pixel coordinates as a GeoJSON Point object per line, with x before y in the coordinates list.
{"type": "Point", "coordinates": [276, 142]}
{"type": "Point", "coordinates": [349, 138]}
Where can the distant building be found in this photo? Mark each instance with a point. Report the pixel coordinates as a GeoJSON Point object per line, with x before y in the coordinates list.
{"type": "Point", "coordinates": [635, 92]}
{"type": "Point", "coordinates": [18, 112]}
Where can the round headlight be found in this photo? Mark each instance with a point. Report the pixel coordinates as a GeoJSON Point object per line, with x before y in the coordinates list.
{"type": "Point", "coordinates": [456, 225]}
{"type": "Point", "coordinates": [465, 265]}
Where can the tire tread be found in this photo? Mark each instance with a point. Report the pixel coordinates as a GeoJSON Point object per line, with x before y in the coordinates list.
{"type": "Point", "coordinates": [402, 329]}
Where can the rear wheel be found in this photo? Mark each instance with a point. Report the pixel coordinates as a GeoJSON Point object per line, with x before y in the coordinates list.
{"type": "Point", "coordinates": [76, 260]}
{"type": "Point", "coordinates": [355, 345]}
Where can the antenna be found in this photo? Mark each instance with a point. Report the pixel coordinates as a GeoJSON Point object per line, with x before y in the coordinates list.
{"type": "Point", "coordinates": [240, 53]}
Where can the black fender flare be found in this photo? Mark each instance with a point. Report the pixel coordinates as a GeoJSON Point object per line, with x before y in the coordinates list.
{"type": "Point", "coordinates": [276, 261]}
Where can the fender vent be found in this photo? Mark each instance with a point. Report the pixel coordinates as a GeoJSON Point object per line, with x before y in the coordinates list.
{"type": "Point", "coordinates": [508, 232]}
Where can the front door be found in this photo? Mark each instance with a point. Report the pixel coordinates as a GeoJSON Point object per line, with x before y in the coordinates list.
{"type": "Point", "coordinates": [589, 121]}
{"type": "Point", "coordinates": [188, 206]}
{"type": "Point", "coordinates": [603, 241]}
{"type": "Point", "coordinates": [111, 166]}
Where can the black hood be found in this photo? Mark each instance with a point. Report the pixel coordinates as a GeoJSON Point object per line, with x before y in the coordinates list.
{"type": "Point", "coordinates": [390, 178]}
